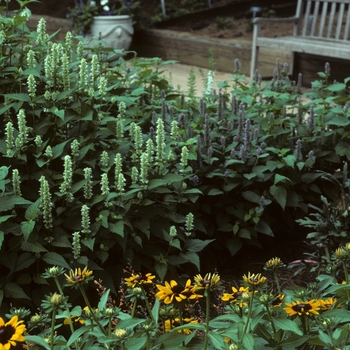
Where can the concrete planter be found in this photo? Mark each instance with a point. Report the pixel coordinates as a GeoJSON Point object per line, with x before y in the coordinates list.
{"type": "Point", "coordinates": [115, 31]}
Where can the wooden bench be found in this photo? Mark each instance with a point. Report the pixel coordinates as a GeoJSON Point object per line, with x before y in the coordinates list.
{"type": "Point", "coordinates": [321, 27]}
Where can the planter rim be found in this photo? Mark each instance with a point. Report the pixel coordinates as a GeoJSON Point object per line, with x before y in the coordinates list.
{"type": "Point", "coordinates": [112, 17]}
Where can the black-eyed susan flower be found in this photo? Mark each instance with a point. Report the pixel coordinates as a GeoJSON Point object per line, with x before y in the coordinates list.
{"type": "Point", "coordinates": [78, 276]}
{"type": "Point", "coordinates": [11, 333]}
{"type": "Point", "coordinates": [273, 264]}
{"type": "Point", "coordinates": [173, 291]}
{"type": "Point", "coordinates": [209, 281]}
{"type": "Point", "coordinates": [172, 323]}
{"type": "Point", "coordinates": [341, 253]}
{"type": "Point", "coordinates": [254, 279]}
{"type": "Point", "coordinates": [277, 301]}
{"type": "Point", "coordinates": [236, 296]}
{"type": "Point", "coordinates": [302, 308]}
{"type": "Point", "coordinates": [327, 304]}
{"type": "Point", "coordinates": [137, 279]}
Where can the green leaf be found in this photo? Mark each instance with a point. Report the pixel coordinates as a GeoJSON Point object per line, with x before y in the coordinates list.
{"type": "Point", "coordinates": [170, 340]}
{"type": "Point", "coordinates": [289, 160]}
{"type": "Point", "coordinates": [5, 218]}
{"type": "Point", "coordinates": [58, 149]}
{"type": "Point", "coordinates": [18, 97]}
{"type": "Point", "coordinates": [117, 227]}
{"type": "Point", "coordinates": [196, 245]}
{"type": "Point", "coordinates": [8, 202]}
{"type": "Point", "coordinates": [336, 87]}
{"type": "Point", "coordinates": [2, 236]}
{"type": "Point", "coordinates": [53, 258]}
{"type": "Point", "coordinates": [280, 178]}
{"type": "Point", "coordinates": [27, 228]}
{"type": "Point", "coordinates": [244, 233]}
{"type": "Point", "coordinates": [12, 290]}
{"type": "Point", "coordinates": [137, 343]}
{"type": "Point", "coordinates": [40, 341]}
{"type": "Point", "coordinates": [339, 120]}
{"type": "Point", "coordinates": [280, 195]}
{"type": "Point", "coordinates": [192, 258]}
{"type": "Point", "coordinates": [24, 260]}
{"type": "Point", "coordinates": [3, 172]}
{"type": "Point", "coordinates": [89, 242]}
{"type": "Point", "coordinates": [264, 228]}
{"type": "Point", "coordinates": [287, 325]}
{"type": "Point", "coordinates": [130, 323]}
{"type": "Point", "coordinates": [251, 197]}
{"type": "Point", "coordinates": [215, 192]}
{"type": "Point", "coordinates": [77, 333]}
{"type": "Point", "coordinates": [56, 111]}
{"type": "Point", "coordinates": [103, 301]}
{"type": "Point", "coordinates": [217, 340]}
{"type": "Point", "coordinates": [161, 270]}
{"type": "Point", "coordinates": [248, 342]}
{"type": "Point", "coordinates": [155, 310]}
{"type": "Point", "coordinates": [32, 211]}
{"type": "Point", "coordinates": [234, 245]}
{"type": "Point", "coordinates": [35, 247]}
{"type": "Point", "coordinates": [293, 342]}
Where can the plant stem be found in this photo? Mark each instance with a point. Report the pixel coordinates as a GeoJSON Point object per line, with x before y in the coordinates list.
{"type": "Point", "coordinates": [277, 281]}
{"type": "Point", "coordinates": [207, 310]}
{"type": "Point", "coordinates": [270, 318]}
{"type": "Point", "coordinates": [52, 328]}
{"type": "Point", "coordinates": [91, 310]}
{"type": "Point", "coordinates": [345, 271]}
{"type": "Point", "coordinates": [133, 309]}
{"type": "Point", "coordinates": [249, 313]}
{"type": "Point", "coordinates": [147, 304]}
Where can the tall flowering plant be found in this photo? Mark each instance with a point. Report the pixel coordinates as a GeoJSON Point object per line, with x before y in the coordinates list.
{"type": "Point", "coordinates": [81, 15]}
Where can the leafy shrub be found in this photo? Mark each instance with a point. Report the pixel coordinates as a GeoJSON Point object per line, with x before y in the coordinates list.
{"type": "Point", "coordinates": [104, 163]}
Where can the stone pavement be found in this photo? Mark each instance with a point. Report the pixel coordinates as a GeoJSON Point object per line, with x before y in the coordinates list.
{"type": "Point", "coordinates": [178, 75]}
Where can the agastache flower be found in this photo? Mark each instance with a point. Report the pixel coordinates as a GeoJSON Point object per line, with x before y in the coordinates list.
{"type": "Point", "coordinates": [16, 182]}
{"type": "Point", "coordinates": [85, 219]}
{"type": "Point", "coordinates": [45, 202]}
{"type": "Point", "coordinates": [88, 183]}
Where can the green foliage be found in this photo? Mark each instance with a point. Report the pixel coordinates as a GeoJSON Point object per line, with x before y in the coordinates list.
{"type": "Point", "coordinates": [224, 22]}
{"type": "Point", "coordinates": [103, 163]}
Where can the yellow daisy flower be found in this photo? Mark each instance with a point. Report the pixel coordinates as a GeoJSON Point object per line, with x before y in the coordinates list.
{"type": "Point", "coordinates": [209, 281]}
{"type": "Point", "coordinates": [327, 304]}
{"type": "Point", "coordinates": [278, 300]}
{"type": "Point", "coordinates": [303, 308]}
{"type": "Point", "coordinates": [78, 276]}
{"type": "Point", "coordinates": [137, 279]}
{"type": "Point", "coordinates": [236, 296]}
{"type": "Point", "coordinates": [173, 291]}
{"type": "Point", "coordinates": [254, 279]}
{"type": "Point", "coordinates": [273, 263]}
{"type": "Point", "coordinates": [11, 332]}
{"type": "Point", "coordinates": [170, 324]}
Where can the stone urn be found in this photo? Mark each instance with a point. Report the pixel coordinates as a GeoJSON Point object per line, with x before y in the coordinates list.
{"type": "Point", "coordinates": [115, 31]}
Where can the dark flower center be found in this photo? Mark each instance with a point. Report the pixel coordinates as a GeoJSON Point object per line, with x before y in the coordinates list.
{"type": "Point", "coordinates": [237, 294]}
{"type": "Point", "coordinates": [206, 282]}
{"type": "Point", "coordinates": [302, 307]}
{"type": "Point", "coordinates": [177, 289]}
{"type": "Point", "coordinates": [6, 333]}
{"type": "Point", "coordinates": [77, 277]}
